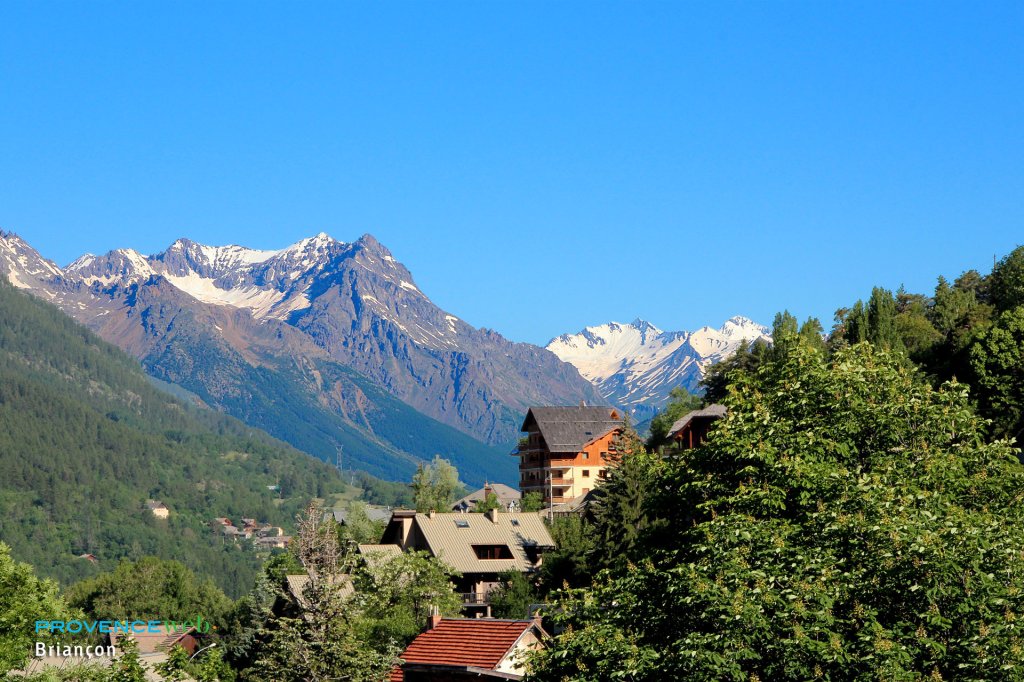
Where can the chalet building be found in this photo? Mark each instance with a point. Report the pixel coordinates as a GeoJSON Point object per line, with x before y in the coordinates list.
{"type": "Point", "coordinates": [454, 649]}
{"type": "Point", "coordinates": [479, 546]}
{"type": "Point", "coordinates": [692, 429]}
{"type": "Point", "coordinates": [508, 497]}
{"type": "Point", "coordinates": [158, 509]}
{"type": "Point", "coordinates": [566, 450]}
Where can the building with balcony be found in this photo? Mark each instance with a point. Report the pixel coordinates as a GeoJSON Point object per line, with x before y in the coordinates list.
{"type": "Point", "coordinates": [566, 450]}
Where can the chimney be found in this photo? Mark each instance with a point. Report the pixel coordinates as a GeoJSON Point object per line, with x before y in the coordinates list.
{"type": "Point", "coordinates": [430, 514]}
{"type": "Point", "coordinates": [435, 618]}
{"type": "Point", "coordinates": [492, 514]}
{"type": "Point", "coordinates": [583, 403]}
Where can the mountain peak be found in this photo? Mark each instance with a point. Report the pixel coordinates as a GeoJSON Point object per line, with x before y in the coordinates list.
{"type": "Point", "coordinates": [318, 242]}
{"type": "Point", "coordinates": [637, 365]}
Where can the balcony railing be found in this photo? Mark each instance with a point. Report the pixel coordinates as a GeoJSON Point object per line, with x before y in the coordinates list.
{"type": "Point", "coordinates": [473, 598]}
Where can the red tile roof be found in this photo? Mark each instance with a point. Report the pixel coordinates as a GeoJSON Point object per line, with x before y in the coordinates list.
{"type": "Point", "coordinates": [477, 642]}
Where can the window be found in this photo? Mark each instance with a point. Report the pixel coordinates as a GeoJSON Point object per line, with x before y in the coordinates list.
{"type": "Point", "coordinates": [461, 523]}
{"type": "Point", "coordinates": [586, 455]}
{"type": "Point", "coordinates": [492, 551]}
{"type": "Point", "coordinates": [602, 474]}
{"type": "Point", "coordinates": [586, 473]}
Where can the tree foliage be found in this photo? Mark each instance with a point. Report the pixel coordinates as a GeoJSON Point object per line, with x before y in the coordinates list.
{"type": "Point", "coordinates": [513, 596]}
{"type": "Point", "coordinates": [998, 363]}
{"type": "Point", "coordinates": [149, 589]}
{"type": "Point", "coordinates": [845, 521]}
{"type": "Point", "coordinates": [24, 599]}
{"type": "Point", "coordinates": [397, 595]}
{"type": "Point", "coordinates": [532, 501]}
{"type": "Point", "coordinates": [326, 641]}
{"type": "Point", "coordinates": [435, 485]}
{"type": "Point", "coordinates": [621, 507]}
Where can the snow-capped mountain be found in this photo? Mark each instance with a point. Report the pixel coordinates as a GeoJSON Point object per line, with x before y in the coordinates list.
{"type": "Point", "coordinates": [23, 265]}
{"type": "Point", "coordinates": [636, 365]}
{"type": "Point", "coordinates": [331, 326]}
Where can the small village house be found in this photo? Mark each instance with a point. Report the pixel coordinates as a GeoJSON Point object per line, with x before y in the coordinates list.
{"type": "Point", "coordinates": [479, 546]}
{"type": "Point", "coordinates": [454, 649]}
{"type": "Point", "coordinates": [158, 509]}
{"type": "Point", "coordinates": [691, 430]}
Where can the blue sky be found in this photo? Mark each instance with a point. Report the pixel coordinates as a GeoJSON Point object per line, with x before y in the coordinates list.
{"type": "Point", "coordinates": [538, 166]}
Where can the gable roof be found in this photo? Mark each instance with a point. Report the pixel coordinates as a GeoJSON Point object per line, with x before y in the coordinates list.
{"type": "Point", "coordinates": [451, 538]}
{"type": "Point", "coordinates": [569, 429]}
{"type": "Point", "coordinates": [715, 411]}
{"type": "Point", "coordinates": [505, 495]}
{"type": "Point", "coordinates": [466, 643]}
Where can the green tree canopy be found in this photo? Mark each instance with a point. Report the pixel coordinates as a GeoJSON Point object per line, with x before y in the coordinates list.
{"type": "Point", "coordinates": [435, 485]}
{"type": "Point", "coordinates": [150, 588]}
{"type": "Point", "coordinates": [397, 595]}
{"type": "Point", "coordinates": [998, 363]}
{"type": "Point", "coordinates": [844, 521]}
{"type": "Point", "coordinates": [1006, 285]}
{"type": "Point", "coordinates": [24, 599]}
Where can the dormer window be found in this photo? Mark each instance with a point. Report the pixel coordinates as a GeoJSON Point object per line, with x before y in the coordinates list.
{"type": "Point", "coordinates": [492, 552]}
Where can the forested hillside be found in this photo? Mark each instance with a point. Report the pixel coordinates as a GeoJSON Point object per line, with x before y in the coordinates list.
{"type": "Point", "coordinates": [85, 439]}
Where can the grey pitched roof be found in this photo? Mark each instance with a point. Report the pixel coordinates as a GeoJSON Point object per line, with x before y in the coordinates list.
{"type": "Point", "coordinates": [505, 495]}
{"type": "Point", "coordinates": [453, 542]}
{"type": "Point", "coordinates": [715, 411]}
{"type": "Point", "coordinates": [569, 429]}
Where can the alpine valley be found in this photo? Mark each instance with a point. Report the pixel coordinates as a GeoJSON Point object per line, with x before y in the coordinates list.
{"type": "Point", "coordinates": [332, 347]}
{"type": "Point", "coordinates": [324, 344]}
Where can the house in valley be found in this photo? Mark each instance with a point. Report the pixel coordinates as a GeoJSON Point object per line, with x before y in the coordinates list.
{"type": "Point", "coordinates": [566, 450]}
{"type": "Point", "coordinates": [454, 649]}
{"type": "Point", "coordinates": [158, 509]}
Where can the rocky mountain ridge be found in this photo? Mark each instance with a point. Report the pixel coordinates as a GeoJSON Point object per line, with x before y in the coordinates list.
{"type": "Point", "coordinates": [334, 321]}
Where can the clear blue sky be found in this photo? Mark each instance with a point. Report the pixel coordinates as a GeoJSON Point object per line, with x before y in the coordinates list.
{"type": "Point", "coordinates": [538, 166]}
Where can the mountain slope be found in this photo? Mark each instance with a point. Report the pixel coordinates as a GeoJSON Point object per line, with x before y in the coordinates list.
{"type": "Point", "coordinates": [336, 336]}
{"type": "Point", "coordinates": [637, 365]}
{"type": "Point", "coordinates": [86, 439]}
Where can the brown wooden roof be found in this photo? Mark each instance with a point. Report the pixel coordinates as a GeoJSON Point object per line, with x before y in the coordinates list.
{"type": "Point", "coordinates": [570, 429]}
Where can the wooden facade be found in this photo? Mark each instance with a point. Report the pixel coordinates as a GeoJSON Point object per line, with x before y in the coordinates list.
{"type": "Point", "coordinates": [566, 451]}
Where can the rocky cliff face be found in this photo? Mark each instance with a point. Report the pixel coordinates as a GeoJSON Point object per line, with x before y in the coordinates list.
{"type": "Point", "coordinates": [319, 307]}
